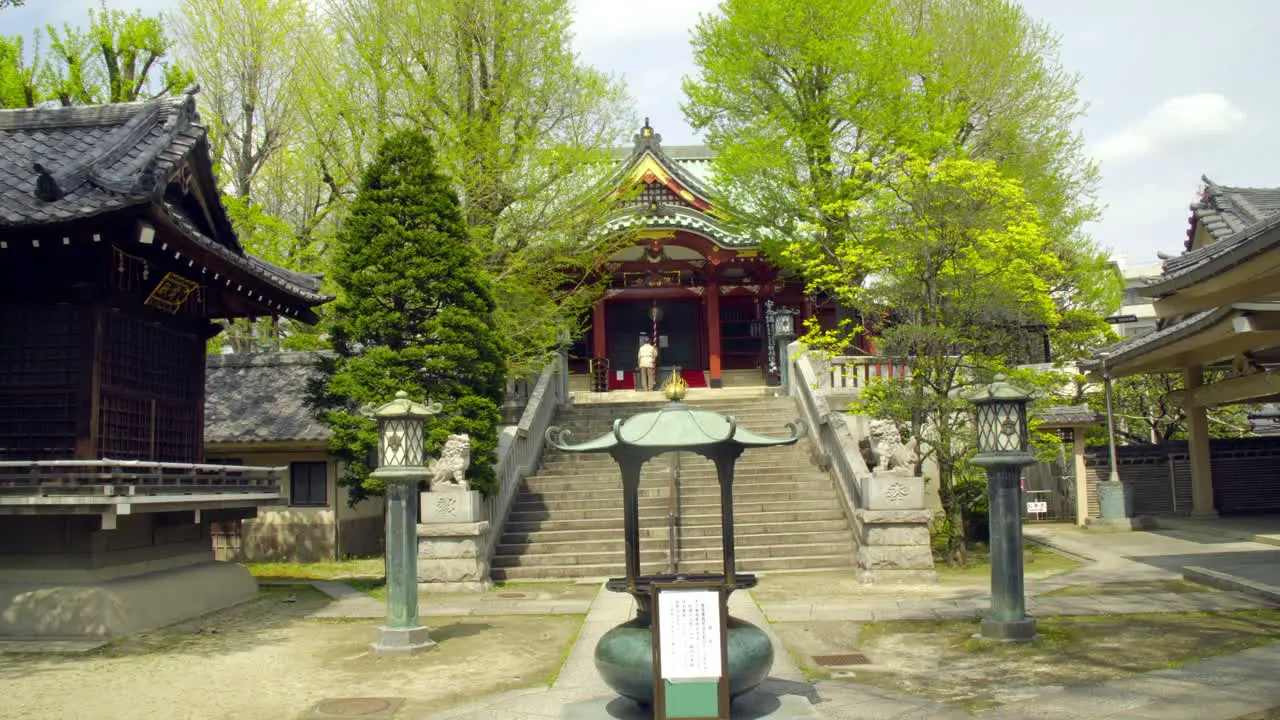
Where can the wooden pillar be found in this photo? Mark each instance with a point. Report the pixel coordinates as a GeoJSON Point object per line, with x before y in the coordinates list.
{"type": "Point", "coordinates": [1082, 482]}
{"type": "Point", "coordinates": [1198, 448]}
{"type": "Point", "coordinates": [598, 330]}
{"type": "Point", "coordinates": [89, 394]}
{"type": "Point", "coordinates": [713, 333]}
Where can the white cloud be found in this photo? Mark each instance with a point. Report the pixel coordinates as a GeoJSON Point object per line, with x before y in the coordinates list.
{"type": "Point", "coordinates": [606, 22]}
{"type": "Point", "coordinates": [1174, 122]}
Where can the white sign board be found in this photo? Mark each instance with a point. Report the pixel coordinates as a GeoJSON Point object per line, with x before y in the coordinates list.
{"type": "Point", "coordinates": [689, 622]}
{"type": "Point", "coordinates": [1038, 506]}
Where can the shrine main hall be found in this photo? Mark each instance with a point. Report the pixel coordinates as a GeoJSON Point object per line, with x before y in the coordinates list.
{"type": "Point", "coordinates": [685, 278]}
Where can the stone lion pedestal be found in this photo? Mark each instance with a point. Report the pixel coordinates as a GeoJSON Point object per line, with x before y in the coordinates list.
{"type": "Point", "coordinates": [893, 531]}
{"type": "Point", "coordinates": [453, 529]}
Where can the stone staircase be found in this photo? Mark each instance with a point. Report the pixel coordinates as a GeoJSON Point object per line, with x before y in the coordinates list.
{"type": "Point", "coordinates": [567, 519]}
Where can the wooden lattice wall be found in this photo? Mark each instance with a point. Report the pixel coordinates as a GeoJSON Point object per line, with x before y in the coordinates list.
{"type": "Point", "coordinates": [150, 385]}
{"type": "Point", "coordinates": [152, 379]}
{"type": "Point", "coordinates": [43, 353]}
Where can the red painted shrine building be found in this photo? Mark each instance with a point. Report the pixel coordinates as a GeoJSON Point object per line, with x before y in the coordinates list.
{"type": "Point", "coordinates": [687, 278]}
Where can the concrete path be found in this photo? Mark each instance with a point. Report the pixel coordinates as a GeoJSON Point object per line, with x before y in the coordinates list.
{"type": "Point", "coordinates": [1221, 688]}
{"type": "Point", "coordinates": [975, 608]}
{"type": "Point", "coordinates": [1157, 554]}
{"type": "Point", "coordinates": [350, 603]}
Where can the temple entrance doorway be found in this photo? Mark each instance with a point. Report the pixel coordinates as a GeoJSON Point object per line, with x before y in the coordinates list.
{"type": "Point", "coordinates": [677, 324]}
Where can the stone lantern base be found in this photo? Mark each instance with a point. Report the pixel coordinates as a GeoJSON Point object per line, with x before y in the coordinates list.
{"type": "Point", "coordinates": [402, 641]}
{"type": "Point", "coordinates": [1021, 630]}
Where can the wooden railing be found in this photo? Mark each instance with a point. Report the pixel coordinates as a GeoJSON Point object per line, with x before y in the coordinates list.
{"type": "Point", "coordinates": [108, 477]}
{"type": "Point", "coordinates": [519, 448]}
{"type": "Point", "coordinates": [851, 373]}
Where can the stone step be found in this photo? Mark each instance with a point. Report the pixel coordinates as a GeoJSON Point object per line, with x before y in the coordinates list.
{"type": "Point", "coordinates": [687, 531]}
{"type": "Point", "coordinates": [718, 405]}
{"type": "Point", "coordinates": [773, 425]}
{"type": "Point", "coordinates": [603, 483]}
{"type": "Point", "coordinates": [562, 461]}
{"type": "Point", "coordinates": [689, 495]}
{"type": "Point", "coordinates": [758, 502]}
{"type": "Point", "coordinates": [612, 518]}
{"type": "Point", "coordinates": [603, 570]}
{"type": "Point", "coordinates": [611, 556]}
{"type": "Point", "coordinates": [576, 546]}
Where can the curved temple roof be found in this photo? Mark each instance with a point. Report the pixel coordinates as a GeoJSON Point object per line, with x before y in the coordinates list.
{"type": "Point", "coordinates": [674, 426]}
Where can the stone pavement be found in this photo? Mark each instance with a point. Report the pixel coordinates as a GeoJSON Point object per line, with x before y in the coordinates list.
{"type": "Point", "coordinates": [1161, 553]}
{"type": "Point", "coordinates": [1221, 688]}
{"type": "Point", "coordinates": [351, 603]}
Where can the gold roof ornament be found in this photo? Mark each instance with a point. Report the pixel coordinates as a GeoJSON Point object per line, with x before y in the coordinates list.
{"type": "Point", "coordinates": [676, 388]}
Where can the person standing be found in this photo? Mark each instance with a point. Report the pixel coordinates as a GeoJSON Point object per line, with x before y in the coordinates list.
{"type": "Point", "coordinates": [646, 359]}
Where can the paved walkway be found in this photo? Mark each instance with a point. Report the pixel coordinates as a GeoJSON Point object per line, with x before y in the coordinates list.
{"type": "Point", "coordinates": [1221, 688]}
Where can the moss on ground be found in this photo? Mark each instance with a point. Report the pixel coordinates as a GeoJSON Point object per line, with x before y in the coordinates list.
{"type": "Point", "coordinates": [371, 567]}
{"type": "Point", "coordinates": [944, 662]}
{"type": "Point", "coordinates": [1129, 588]}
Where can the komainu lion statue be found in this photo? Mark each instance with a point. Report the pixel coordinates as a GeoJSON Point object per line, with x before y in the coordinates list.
{"type": "Point", "coordinates": [886, 449]}
{"type": "Point", "coordinates": [450, 469]}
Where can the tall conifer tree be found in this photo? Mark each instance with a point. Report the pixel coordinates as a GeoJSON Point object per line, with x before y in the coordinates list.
{"type": "Point", "coordinates": [415, 314]}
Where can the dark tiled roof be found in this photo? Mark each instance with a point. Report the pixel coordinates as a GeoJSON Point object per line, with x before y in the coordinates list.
{"type": "Point", "coordinates": [1204, 262]}
{"type": "Point", "coordinates": [1068, 416]}
{"type": "Point", "coordinates": [303, 285]}
{"type": "Point", "coordinates": [1131, 347]}
{"type": "Point", "coordinates": [66, 163]}
{"type": "Point", "coordinates": [260, 398]}
{"type": "Point", "coordinates": [1225, 211]}
{"type": "Point", "coordinates": [63, 164]}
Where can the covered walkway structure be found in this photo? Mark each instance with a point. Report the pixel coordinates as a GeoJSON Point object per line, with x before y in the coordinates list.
{"type": "Point", "coordinates": [1219, 305]}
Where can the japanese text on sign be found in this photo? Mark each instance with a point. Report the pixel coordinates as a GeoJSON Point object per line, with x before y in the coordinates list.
{"type": "Point", "coordinates": [1038, 506]}
{"type": "Point", "coordinates": [690, 634]}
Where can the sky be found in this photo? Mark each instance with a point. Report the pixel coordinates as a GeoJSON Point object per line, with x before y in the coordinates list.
{"type": "Point", "coordinates": [1176, 89]}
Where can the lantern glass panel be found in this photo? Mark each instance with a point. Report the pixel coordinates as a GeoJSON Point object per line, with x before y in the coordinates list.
{"type": "Point", "coordinates": [401, 443]}
{"type": "Point", "coordinates": [783, 324]}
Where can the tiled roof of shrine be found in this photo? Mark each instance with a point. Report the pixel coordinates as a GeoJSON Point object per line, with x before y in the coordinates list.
{"type": "Point", "coordinates": [260, 397]}
{"type": "Point", "coordinates": [689, 166]}
{"type": "Point", "coordinates": [1068, 416]}
{"type": "Point", "coordinates": [62, 165]}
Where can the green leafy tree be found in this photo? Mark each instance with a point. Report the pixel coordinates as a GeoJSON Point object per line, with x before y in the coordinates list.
{"type": "Point", "coordinates": [1146, 412]}
{"type": "Point", "coordinates": [961, 257]}
{"type": "Point", "coordinates": [253, 59]}
{"type": "Point", "coordinates": [121, 57]}
{"type": "Point", "coordinates": [19, 86]}
{"type": "Point", "coordinates": [914, 160]}
{"type": "Point", "coordinates": [523, 126]}
{"type": "Point", "coordinates": [415, 314]}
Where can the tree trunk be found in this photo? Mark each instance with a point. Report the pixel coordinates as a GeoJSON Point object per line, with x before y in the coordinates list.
{"type": "Point", "coordinates": [957, 551]}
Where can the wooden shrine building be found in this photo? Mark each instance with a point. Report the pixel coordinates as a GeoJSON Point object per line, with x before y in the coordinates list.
{"type": "Point", "coordinates": [687, 279]}
{"type": "Point", "coordinates": [116, 256]}
{"type": "Point", "coordinates": [1218, 306]}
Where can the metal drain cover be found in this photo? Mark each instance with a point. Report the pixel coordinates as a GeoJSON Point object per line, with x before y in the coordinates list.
{"type": "Point", "coordinates": [352, 708]}
{"type": "Point", "coordinates": [841, 660]}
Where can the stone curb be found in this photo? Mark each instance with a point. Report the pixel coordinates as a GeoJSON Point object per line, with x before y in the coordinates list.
{"type": "Point", "coordinates": [1226, 581]}
{"type": "Point", "coordinates": [1055, 546]}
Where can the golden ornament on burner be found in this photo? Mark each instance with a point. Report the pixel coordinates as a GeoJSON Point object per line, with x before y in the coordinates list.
{"type": "Point", "coordinates": [676, 387]}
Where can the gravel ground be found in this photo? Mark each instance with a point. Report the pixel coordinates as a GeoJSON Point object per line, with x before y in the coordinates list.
{"type": "Point", "coordinates": [263, 659]}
